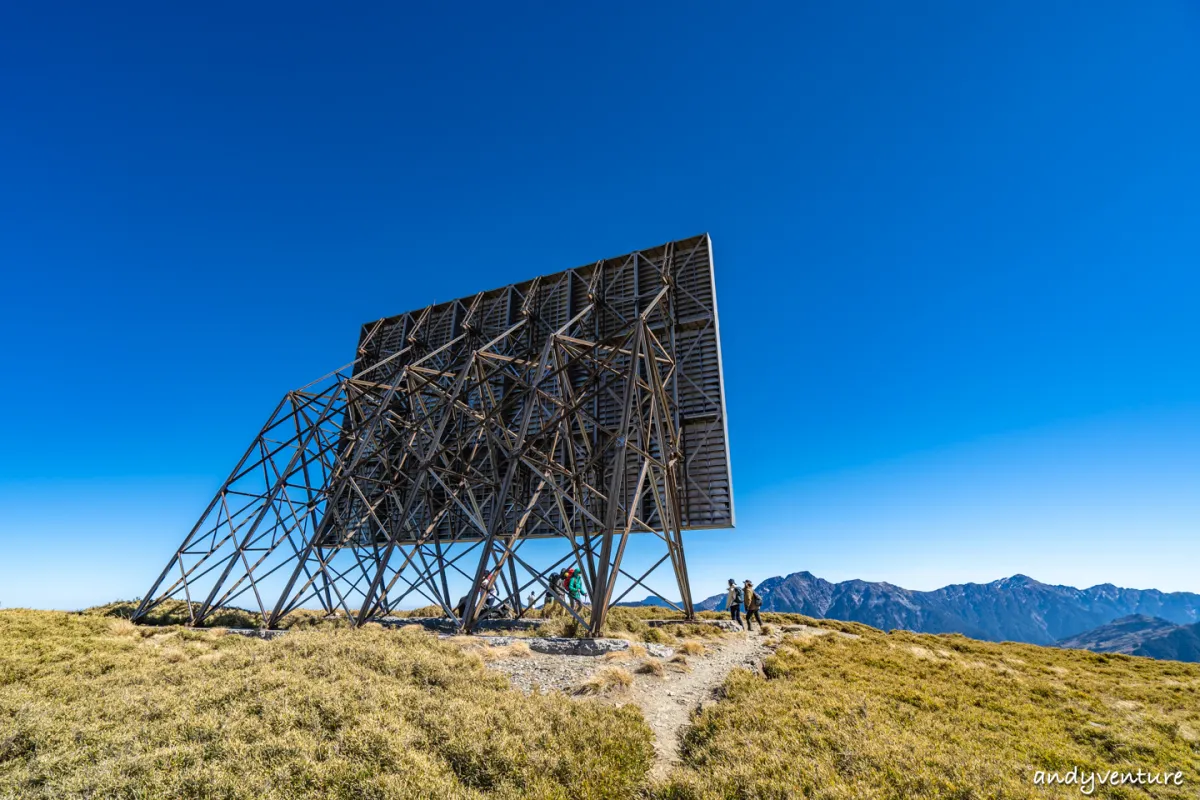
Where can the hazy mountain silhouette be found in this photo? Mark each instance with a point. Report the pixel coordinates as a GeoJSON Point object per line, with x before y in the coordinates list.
{"type": "Point", "coordinates": [1139, 635]}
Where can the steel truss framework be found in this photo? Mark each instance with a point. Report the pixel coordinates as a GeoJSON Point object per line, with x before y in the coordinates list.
{"type": "Point", "coordinates": [577, 408]}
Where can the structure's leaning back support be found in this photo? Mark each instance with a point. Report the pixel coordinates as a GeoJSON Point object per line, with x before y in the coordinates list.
{"type": "Point", "coordinates": [576, 409]}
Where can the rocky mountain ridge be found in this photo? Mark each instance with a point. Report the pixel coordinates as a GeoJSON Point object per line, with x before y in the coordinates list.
{"type": "Point", "coordinates": [1018, 608]}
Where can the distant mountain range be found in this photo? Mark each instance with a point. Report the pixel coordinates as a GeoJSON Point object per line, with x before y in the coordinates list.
{"type": "Point", "coordinates": [1016, 609]}
{"type": "Point", "coordinates": [1140, 635]}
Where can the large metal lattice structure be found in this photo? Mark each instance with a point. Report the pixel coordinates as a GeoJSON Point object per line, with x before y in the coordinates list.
{"type": "Point", "coordinates": [576, 408]}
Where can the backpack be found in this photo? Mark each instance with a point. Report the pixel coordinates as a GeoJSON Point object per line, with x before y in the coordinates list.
{"type": "Point", "coordinates": [738, 597]}
{"type": "Point", "coordinates": [755, 602]}
{"type": "Point", "coordinates": [556, 583]}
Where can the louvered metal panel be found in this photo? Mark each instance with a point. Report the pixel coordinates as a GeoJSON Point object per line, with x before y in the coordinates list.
{"type": "Point", "coordinates": [624, 287]}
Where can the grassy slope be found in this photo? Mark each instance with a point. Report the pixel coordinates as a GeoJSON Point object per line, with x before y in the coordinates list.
{"type": "Point", "coordinates": [92, 706]}
{"type": "Point", "coordinates": [906, 715]}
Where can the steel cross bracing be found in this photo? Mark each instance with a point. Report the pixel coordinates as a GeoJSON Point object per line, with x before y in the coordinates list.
{"type": "Point", "coordinates": [439, 458]}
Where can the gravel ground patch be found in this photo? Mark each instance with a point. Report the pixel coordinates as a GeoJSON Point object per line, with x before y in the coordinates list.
{"type": "Point", "coordinates": [667, 702]}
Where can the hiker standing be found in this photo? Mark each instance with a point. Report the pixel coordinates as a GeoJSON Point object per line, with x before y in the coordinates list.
{"type": "Point", "coordinates": [753, 604]}
{"type": "Point", "coordinates": [575, 587]}
{"type": "Point", "coordinates": [733, 601]}
{"type": "Point", "coordinates": [555, 595]}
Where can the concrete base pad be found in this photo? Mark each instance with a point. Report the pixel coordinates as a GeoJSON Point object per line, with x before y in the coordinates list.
{"type": "Point", "coordinates": [559, 646]}
{"type": "Point", "coordinates": [444, 625]}
{"type": "Point", "coordinates": [723, 624]}
{"type": "Point", "coordinates": [550, 645]}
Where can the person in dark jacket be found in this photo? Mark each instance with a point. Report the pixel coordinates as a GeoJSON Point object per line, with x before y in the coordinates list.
{"type": "Point", "coordinates": [554, 597]}
{"type": "Point", "coordinates": [733, 601]}
{"type": "Point", "coordinates": [753, 604]}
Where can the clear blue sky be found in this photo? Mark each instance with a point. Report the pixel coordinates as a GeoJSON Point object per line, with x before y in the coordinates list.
{"type": "Point", "coordinates": [957, 248]}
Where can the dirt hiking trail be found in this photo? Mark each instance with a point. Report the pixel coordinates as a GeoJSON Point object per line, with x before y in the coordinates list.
{"type": "Point", "coordinates": [667, 701]}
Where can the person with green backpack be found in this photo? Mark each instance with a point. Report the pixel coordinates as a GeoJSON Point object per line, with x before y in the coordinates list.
{"type": "Point", "coordinates": [575, 589]}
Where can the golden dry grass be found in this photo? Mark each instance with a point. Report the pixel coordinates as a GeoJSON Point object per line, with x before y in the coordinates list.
{"type": "Point", "coordinates": [628, 623]}
{"type": "Point", "coordinates": [678, 663]}
{"type": "Point", "coordinates": [92, 707]}
{"type": "Point", "coordinates": [691, 648]}
{"type": "Point", "coordinates": [515, 650]}
{"type": "Point", "coordinates": [651, 667]}
{"type": "Point", "coordinates": [604, 681]}
{"type": "Point", "coordinates": [903, 715]}
{"type": "Point", "coordinates": [631, 653]}
{"type": "Point", "coordinates": [481, 648]}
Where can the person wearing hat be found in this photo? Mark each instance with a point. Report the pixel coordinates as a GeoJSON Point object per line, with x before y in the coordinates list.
{"type": "Point", "coordinates": [753, 604]}
{"type": "Point", "coordinates": [575, 588]}
{"type": "Point", "coordinates": [733, 601]}
{"type": "Point", "coordinates": [554, 597]}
